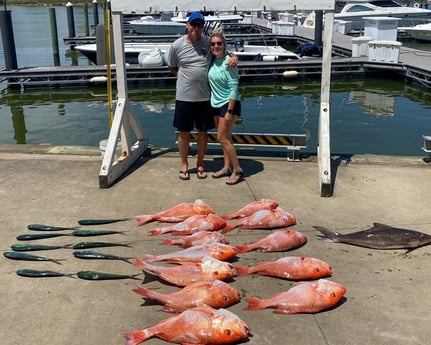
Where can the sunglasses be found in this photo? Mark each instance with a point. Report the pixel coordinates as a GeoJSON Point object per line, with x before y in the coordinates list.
{"type": "Point", "coordinates": [219, 43]}
{"type": "Point", "coordinates": [197, 25]}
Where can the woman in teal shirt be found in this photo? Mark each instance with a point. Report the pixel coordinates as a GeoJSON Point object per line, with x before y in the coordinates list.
{"type": "Point", "coordinates": [226, 105]}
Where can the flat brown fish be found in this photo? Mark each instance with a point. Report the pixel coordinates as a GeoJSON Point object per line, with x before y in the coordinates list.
{"type": "Point", "coordinates": [380, 236]}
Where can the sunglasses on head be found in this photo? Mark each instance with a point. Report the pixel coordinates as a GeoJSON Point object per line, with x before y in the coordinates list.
{"type": "Point", "coordinates": [197, 25]}
{"type": "Point", "coordinates": [218, 43]}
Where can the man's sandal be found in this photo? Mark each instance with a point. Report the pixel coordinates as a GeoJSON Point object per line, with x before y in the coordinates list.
{"type": "Point", "coordinates": [184, 175]}
{"type": "Point", "coordinates": [202, 174]}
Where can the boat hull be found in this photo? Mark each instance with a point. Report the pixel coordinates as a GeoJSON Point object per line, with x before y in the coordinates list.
{"type": "Point", "coordinates": [158, 28]}
{"type": "Point", "coordinates": [420, 32]}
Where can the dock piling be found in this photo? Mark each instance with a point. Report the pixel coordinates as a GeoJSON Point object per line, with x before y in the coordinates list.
{"type": "Point", "coordinates": [54, 36]}
{"type": "Point", "coordinates": [8, 40]}
{"type": "Point", "coordinates": [95, 13]}
{"type": "Point", "coordinates": [70, 20]}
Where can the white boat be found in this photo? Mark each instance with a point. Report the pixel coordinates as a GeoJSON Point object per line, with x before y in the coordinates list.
{"type": "Point", "coordinates": [148, 25]}
{"type": "Point", "coordinates": [249, 52]}
{"type": "Point", "coordinates": [131, 50]}
{"type": "Point", "coordinates": [420, 32]}
{"type": "Point", "coordinates": [356, 11]}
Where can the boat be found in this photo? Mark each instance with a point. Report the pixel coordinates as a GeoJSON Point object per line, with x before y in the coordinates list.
{"type": "Point", "coordinates": [132, 51]}
{"type": "Point", "coordinates": [148, 25]}
{"type": "Point", "coordinates": [420, 32]}
{"type": "Point", "coordinates": [356, 11]}
{"type": "Point", "coordinates": [213, 21]}
{"type": "Point", "coordinates": [251, 52]}
{"type": "Point", "coordinates": [141, 53]}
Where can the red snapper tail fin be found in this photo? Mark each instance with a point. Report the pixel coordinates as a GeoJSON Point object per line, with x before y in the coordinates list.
{"type": "Point", "coordinates": [254, 303]}
{"type": "Point", "coordinates": [135, 337]}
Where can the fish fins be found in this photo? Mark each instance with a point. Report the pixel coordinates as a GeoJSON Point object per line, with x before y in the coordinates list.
{"type": "Point", "coordinates": [135, 337]}
{"type": "Point", "coordinates": [253, 303]}
{"type": "Point", "coordinates": [332, 235]}
{"type": "Point", "coordinates": [380, 225]}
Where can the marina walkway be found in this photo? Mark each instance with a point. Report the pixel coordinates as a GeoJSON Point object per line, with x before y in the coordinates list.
{"type": "Point", "coordinates": [386, 302]}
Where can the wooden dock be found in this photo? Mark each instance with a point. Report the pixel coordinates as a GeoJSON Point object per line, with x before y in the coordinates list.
{"type": "Point", "coordinates": [413, 66]}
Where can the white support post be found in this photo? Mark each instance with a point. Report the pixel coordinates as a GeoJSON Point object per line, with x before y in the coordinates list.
{"type": "Point", "coordinates": [323, 148]}
{"type": "Point", "coordinates": [124, 120]}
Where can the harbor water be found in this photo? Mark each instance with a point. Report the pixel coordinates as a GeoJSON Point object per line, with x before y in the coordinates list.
{"type": "Point", "coordinates": [377, 116]}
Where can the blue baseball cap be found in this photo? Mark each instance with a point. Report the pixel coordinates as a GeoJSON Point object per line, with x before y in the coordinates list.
{"type": "Point", "coordinates": [196, 16]}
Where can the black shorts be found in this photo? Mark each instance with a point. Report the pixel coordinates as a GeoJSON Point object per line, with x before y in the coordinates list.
{"type": "Point", "coordinates": [223, 109]}
{"type": "Point", "coordinates": [189, 115]}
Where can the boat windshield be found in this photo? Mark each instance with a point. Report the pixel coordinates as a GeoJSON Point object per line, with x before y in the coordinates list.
{"type": "Point", "coordinates": [360, 6]}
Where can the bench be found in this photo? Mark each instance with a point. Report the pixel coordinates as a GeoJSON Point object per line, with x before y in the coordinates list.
{"type": "Point", "coordinates": [293, 142]}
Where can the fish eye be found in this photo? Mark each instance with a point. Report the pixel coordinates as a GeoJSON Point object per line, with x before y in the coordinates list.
{"type": "Point", "coordinates": [228, 332]}
{"type": "Point", "coordinates": [225, 298]}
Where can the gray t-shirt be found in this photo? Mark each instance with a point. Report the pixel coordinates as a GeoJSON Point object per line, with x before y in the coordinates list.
{"type": "Point", "coordinates": [191, 59]}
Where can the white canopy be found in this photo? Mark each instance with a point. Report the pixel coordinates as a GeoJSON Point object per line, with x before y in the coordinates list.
{"type": "Point", "coordinates": [139, 6]}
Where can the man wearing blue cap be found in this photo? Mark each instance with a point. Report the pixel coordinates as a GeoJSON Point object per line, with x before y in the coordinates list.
{"type": "Point", "coordinates": [188, 60]}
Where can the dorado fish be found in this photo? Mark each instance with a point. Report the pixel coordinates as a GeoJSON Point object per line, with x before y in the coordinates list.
{"type": "Point", "coordinates": [200, 325]}
{"type": "Point", "coordinates": [177, 213]}
{"type": "Point", "coordinates": [89, 254]}
{"type": "Point", "coordinates": [29, 257]}
{"type": "Point", "coordinates": [43, 227]}
{"type": "Point", "coordinates": [289, 267]}
{"type": "Point", "coordinates": [198, 238]}
{"type": "Point", "coordinates": [86, 245]}
{"type": "Point", "coordinates": [380, 236]}
{"type": "Point", "coordinates": [219, 251]}
{"type": "Point", "coordinates": [277, 241]}
{"type": "Point", "coordinates": [198, 222]}
{"type": "Point", "coordinates": [208, 269]}
{"type": "Point", "coordinates": [23, 247]}
{"type": "Point", "coordinates": [263, 219]}
{"type": "Point", "coordinates": [101, 221]}
{"type": "Point", "coordinates": [252, 207]}
{"type": "Point", "coordinates": [94, 275]}
{"type": "Point", "coordinates": [41, 273]}
{"type": "Point", "coordinates": [304, 297]}
{"type": "Point", "coordinates": [77, 233]}
{"type": "Point", "coordinates": [215, 294]}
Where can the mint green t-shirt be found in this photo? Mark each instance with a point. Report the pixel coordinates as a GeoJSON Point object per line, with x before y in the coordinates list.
{"type": "Point", "coordinates": [223, 81]}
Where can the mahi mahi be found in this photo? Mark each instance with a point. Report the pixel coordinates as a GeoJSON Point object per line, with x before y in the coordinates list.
{"type": "Point", "coordinates": [380, 236]}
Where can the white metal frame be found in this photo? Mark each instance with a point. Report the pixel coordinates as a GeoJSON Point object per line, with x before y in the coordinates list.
{"type": "Point", "coordinates": [124, 120]}
{"type": "Point", "coordinates": [124, 117]}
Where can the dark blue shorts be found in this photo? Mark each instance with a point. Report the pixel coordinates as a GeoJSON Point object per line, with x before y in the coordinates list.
{"type": "Point", "coordinates": [223, 109]}
{"type": "Point", "coordinates": [190, 115]}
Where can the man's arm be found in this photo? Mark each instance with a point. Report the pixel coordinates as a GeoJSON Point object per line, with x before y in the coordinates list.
{"type": "Point", "coordinates": [174, 70]}
{"type": "Point", "coordinates": [233, 61]}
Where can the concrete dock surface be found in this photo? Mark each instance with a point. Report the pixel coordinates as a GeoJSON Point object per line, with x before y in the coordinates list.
{"type": "Point", "coordinates": [387, 299]}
